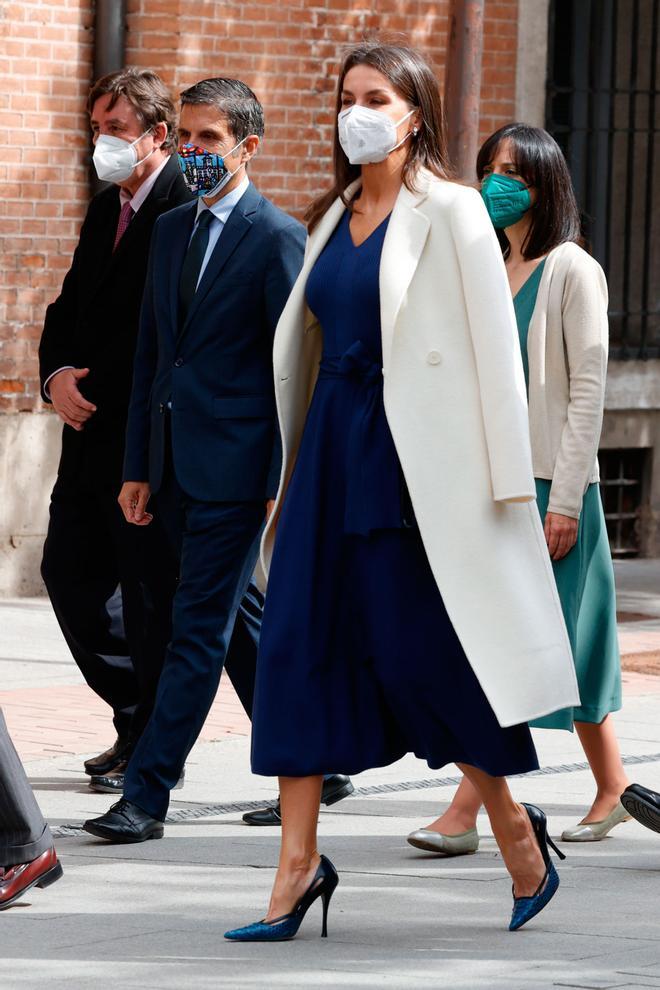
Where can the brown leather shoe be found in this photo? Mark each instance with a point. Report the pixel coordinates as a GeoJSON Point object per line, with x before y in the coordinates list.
{"type": "Point", "coordinates": [119, 752]}
{"type": "Point", "coordinates": [39, 872]}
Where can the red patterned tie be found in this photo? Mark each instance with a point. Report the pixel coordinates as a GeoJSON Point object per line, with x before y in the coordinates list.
{"type": "Point", "coordinates": [125, 218]}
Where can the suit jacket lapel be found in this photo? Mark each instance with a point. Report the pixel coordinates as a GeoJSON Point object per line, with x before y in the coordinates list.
{"type": "Point", "coordinates": [404, 242]}
{"type": "Point", "coordinates": [178, 250]}
{"type": "Point", "coordinates": [236, 227]}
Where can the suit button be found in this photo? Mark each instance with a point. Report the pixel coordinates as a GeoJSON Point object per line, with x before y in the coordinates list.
{"type": "Point", "coordinates": [178, 362]}
{"type": "Point", "coordinates": [161, 407]}
{"type": "Point", "coordinates": [434, 357]}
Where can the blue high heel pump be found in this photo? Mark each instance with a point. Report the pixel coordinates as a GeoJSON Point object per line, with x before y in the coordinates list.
{"type": "Point", "coordinates": [286, 927]}
{"type": "Point", "coordinates": [525, 908]}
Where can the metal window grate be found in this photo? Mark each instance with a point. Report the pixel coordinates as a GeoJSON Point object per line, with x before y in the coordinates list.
{"type": "Point", "coordinates": [603, 109]}
{"type": "Point", "coordinates": [621, 489]}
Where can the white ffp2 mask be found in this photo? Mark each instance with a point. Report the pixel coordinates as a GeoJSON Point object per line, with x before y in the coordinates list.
{"type": "Point", "coordinates": [114, 158]}
{"type": "Point", "coordinates": [368, 136]}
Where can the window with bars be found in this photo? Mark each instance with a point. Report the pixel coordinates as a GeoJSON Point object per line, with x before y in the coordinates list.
{"type": "Point", "coordinates": [622, 477]}
{"type": "Point", "coordinates": [603, 109]}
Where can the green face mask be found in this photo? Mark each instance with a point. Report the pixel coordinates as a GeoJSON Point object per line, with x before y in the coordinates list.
{"type": "Point", "coordinates": [507, 199]}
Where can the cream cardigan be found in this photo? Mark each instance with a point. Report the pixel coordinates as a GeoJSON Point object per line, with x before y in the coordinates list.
{"type": "Point", "coordinates": [567, 350]}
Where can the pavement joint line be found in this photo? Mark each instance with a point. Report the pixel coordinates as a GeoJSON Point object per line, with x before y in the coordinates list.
{"type": "Point", "coordinates": [192, 812]}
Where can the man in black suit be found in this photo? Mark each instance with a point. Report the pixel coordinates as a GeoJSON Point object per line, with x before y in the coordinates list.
{"type": "Point", "coordinates": [111, 585]}
{"type": "Point", "coordinates": [202, 432]}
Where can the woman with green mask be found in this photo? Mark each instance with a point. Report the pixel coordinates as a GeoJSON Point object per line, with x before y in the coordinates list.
{"type": "Point", "coordinates": [560, 302]}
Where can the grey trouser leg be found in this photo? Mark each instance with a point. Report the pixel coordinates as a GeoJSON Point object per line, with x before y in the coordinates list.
{"type": "Point", "coordinates": [24, 834]}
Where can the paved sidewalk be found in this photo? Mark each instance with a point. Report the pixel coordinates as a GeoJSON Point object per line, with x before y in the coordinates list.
{"type": "Point", "coordinates": [49, 708]}
{"type": "Point", "coordinates": [152, 916]}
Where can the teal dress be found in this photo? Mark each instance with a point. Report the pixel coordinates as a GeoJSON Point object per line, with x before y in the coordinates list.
{"type": "Point", "coordinates": [585, 580]}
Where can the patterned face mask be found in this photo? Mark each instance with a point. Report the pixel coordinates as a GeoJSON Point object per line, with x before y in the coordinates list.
{"type": "Point", "coordinates": [205, 172]}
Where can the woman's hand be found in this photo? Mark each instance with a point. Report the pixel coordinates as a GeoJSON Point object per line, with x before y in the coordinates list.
{"type": "Point", "coordinates": [560, 534]}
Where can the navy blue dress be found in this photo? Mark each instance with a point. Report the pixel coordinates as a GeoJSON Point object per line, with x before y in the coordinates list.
{"type": "Point", "coordinates": [358, 661]}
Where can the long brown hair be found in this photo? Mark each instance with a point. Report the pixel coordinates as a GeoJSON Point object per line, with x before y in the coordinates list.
{"type": "Point", "coordinates": [412, 78]}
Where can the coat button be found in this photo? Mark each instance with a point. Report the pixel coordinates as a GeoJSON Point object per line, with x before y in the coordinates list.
{"type": "Point", "coordinates": [434, 357]}
{"type": "Point", "coordinates": [161, 407]}
{"type": "Point", "coordinates": [178, 362]}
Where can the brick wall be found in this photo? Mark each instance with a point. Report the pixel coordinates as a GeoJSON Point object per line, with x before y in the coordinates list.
{"type": "Point", "coordinates": [288, 52]}
{"type": "Point", "coordinates": [45, 68]}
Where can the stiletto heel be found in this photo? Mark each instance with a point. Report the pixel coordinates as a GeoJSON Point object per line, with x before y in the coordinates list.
{"type": "Point", "coordinates": [553, 846]}
{"type": "Point", "coordinates": [326, 895]}
{"type": "Point", "coordinates": [525, 908]}
{"type": "Point", "coordinates": [286, 927]}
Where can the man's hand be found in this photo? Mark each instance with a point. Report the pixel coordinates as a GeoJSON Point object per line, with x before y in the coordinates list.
{"type": "Point", "coordinates": [560, 534]}
{"type": "Point", "coordinates": [69, 403]}
{"type": "Point", "coordinates": [133, 499]}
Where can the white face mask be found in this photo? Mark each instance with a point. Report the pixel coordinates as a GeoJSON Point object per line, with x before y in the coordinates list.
{"type": "Point", "coordinates": [114, 158]}
{"type": "Point", "coordinates": [368, 136]}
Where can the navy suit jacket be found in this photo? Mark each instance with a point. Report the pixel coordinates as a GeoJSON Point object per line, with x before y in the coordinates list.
{"type": "Point", "coordinates": [216, 369]}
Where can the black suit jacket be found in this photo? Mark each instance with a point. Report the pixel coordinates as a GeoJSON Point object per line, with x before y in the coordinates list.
{"type": "Point", "coordinates": [94, 324]}
{"type": "Point", "coordinates": [217, 368]}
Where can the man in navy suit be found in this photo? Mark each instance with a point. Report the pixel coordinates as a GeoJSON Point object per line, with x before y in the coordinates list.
{"type": "Point", "coordinates": [202, 436]}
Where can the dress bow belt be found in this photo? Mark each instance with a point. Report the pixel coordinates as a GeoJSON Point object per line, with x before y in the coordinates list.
{"type": "Point", "coordinates": [373, 475]}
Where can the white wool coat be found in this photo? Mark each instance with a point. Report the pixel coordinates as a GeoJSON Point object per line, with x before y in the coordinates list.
{"type": "Point", "coordinates": [455, 402]}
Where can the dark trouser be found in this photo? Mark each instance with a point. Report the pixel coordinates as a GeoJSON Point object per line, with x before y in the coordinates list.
{"type": "Point", "coordinates": [220, 545]}
{"type": "Point", "coordinates": [111, 586]}
{"type": "Point", "coordinates": [24, 834]}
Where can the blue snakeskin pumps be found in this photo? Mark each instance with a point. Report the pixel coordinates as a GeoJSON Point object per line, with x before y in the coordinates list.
{"type": "Point", "coordinates": [286, 927]}
{"type": "Point", "coordinates": [525, 908]}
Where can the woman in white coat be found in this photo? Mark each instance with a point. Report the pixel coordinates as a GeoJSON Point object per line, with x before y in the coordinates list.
{"type": "Point", "coordinates": [560, 300]}
{"type": "Point", "coordinates": [411, 604]}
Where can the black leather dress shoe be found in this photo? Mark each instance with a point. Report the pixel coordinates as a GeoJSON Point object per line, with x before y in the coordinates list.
{"type": "Point", "coordinates": [335, 788]}
{"type": "Point", "coordinates": [125, 822]}
{"type": "Point", "coordinates": [113, 782]}
{"type": "Point", "coordinates": [119, 752]}
{"type": "Point", "coordinates": [643, 805]}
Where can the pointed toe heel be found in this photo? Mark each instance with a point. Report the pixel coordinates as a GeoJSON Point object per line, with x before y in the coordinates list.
{"type": "Point", "coordinates": [526, 908]}
{"type": "Point", "coordinates": [286, 927]}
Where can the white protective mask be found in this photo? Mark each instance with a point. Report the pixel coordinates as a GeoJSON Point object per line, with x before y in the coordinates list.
{"type": "Point", "coordinates": [368, 136]}
{"type": "Point", "coordinates": [114, 158]}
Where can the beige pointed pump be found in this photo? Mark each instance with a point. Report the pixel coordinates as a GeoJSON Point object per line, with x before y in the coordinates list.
{"type": "Point", "coordinates": [595, 831]}
{"type": "Point", "coordinates": [445, 845]}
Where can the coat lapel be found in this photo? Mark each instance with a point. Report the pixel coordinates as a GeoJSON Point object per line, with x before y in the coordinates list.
{"type": "Point", "coordinates": [315, 244]}
{"type": "Point", "coordinates": [404, 242]}
{"type": "Point", "coordinates": [155, 204]}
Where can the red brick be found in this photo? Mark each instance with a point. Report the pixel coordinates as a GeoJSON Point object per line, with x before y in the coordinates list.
{"type": "Point", "coordinates": [288, 53]}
